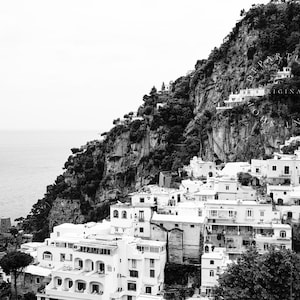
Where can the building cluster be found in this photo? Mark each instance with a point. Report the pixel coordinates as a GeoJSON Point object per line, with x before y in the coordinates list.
{"type": "Point", "coordinates": [208, 221]}
{"type": "Point", "coordinates": [244, 95]}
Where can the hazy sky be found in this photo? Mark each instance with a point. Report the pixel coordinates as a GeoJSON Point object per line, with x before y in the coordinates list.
{"type": "Point", "coordinates": [69, 64]}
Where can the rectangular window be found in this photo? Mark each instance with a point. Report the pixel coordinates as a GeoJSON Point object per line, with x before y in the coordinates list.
{"type": "Point", "coordinates": [142, 200]}
{"type": "Point", "coordinates": [131, 286]}
{"type": "Point", "coordinates": [208, 291]}
{"type": "Point", "coordinates": [148, 290]}
{"type": "Point", "coordinates": [262, 213]}
{"type": "Point", "coordinates": [141, 216]}
{"type": "Point", "coordinates": [286, 170]}
{"type": "Point", "coordinates": [273, 168]}
{"type": "Point", "coordinates": [141, 229]}
{"type": "Point", "coordinates": [231, 214]}
{"type": "Point", "coordinates": [151, 263]}
{"type": "Point", "coordinates": [133, 263]}
{"type": "Point", "coordinates": [37, 280]}
{"type": "Point", "coordinates": [152, 273]}
{"type": "Point", "coordinates": [154, 249]}
{"type": "Point", "coordinates": [227, 187]}
{"type": "Point", "coordinates": [192, 226]}
{"type": "Point", "coordinates": [249, 213]}
{"type": "Point", "coordinates": [257, 170]}
{"type": "Point", "coordinates": [62, 257]}
{"type": "Point", "coordinates": [213, 213]}
{"type": "Point", "coordinates": [133, 273]}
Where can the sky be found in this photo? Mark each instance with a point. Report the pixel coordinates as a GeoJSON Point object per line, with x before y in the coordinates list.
{"type": "Point", "coordinates": [77, 65]}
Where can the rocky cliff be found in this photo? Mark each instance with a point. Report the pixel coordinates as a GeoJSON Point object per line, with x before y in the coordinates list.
{"type": "Point", "coordinates": [175, 124]}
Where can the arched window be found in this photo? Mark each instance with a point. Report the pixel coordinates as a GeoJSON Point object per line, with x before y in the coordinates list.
{"type": "Point", "coordinates": [47, 255]}
{"type": "Point", "coordinates": [211, 273]}
{"type": "Point", "coordinates": [280, 201]}
{"type": "Point", "coordinates": [124, 214]}
{"type": "Point", "coordinates": [282, 233]}
{"type": "Point", "coordinates": [206, 249]}
{"type": "Point", "coordinates": [116, 214]}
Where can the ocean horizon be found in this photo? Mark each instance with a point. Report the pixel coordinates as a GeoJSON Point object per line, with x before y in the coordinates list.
{"type": "Point", "coordinates": [30, 160]}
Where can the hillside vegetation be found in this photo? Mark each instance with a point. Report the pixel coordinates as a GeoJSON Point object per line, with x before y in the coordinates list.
{"type": "Point", "coordinates": [165, 137]}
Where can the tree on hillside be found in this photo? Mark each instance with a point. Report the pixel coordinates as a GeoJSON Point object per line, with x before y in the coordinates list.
{"type": "Point", "coordinates": [14, 263]}
{"type": "Point", "coordinates": [274, 275]}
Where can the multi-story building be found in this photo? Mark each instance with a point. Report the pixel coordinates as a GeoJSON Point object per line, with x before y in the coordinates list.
{"type": "Point", "coordinates": [213, 263]}
{"type": "Point", "coordinates": [131, 220]}
{"type": "Point", "coordinates": [236, 225]}
{"type": "Point", "coordinates": [230, 189]}
{"type": "Point", "coordinates": [86, 262]}
{"type": "Point", "coordinates": [284, 169]}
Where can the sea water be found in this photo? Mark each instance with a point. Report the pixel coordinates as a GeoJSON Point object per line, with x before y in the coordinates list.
{"type": "Point", "coordinates": [31, 160]}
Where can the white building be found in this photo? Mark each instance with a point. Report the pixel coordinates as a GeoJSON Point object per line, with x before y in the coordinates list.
{"type": "Point", "coordinates": [230, 189]}
{"type": "Point", "coordinates": [285, 73]}
{"type": "Point", "coordinates": [200, 169]}
{"type": "Point", "coordinates": [284, 169]}
{"type": "Point", "coordinates": [31, 249]}
{"type": "Point", "coordinates": [242, 97]}
{"type": "Point", "coordinates": [88, 263]}
{"type": "Point", "coordinates": [131, 220]}
{"type": "Point", "coordinates": [191, 186]}
{"type": "Point", "coordinates": [236, 225]}
{"type": "Point", "coordinates": [213, 263]}
{"type": "Point", "coordinates": [154, 195]}
{"type": "Point", "coordinates": [258, 168]}
{"type": "Point", "coordinates": [280, 193]}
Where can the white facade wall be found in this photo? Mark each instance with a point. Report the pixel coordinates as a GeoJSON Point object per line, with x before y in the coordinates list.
{"type": "Point", "coordinates": [212, 265]}
{"type": "Point", "coordinates": [101, 266]}
{"type": "Point", "coordinates": [157, 196]}
{"type": "Point", "coordinates": [284, 169]}
{"type": "Point", "coordinates": [291, 212]}
{"type": "Point", "coordinates": [258, 168]}
{"type": "Point", "coordinates": [240, 212]}
{"type": "Point", "coordinates": [191, 186]}
{"type": "Point", "coordinates": [199, 168]}
{"type": "Point", "coordinates": [281, 193]}
{"type": "Point", "coordinates": [142, 216]}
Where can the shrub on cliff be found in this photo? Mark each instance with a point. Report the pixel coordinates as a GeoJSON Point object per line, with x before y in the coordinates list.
{"type": "Point", "coordinates": [295, 69]}
{"type": "Point", "coordinates": [138, 130]}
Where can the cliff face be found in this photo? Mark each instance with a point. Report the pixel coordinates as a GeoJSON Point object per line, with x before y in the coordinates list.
{"type": "Point", "coordinates": [174, 125]}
